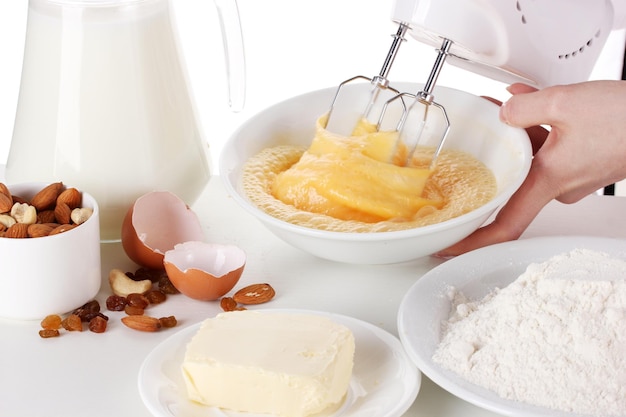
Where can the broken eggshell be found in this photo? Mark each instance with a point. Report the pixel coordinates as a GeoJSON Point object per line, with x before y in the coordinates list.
{"type": "Point", "coordinates": [204, 271]}
{"type": "Point", "coordinates": [154, 224]}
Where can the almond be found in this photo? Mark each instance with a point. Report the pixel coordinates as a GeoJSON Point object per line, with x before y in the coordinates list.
{"type": "Point", "coordinates": [46, 216]}
{"type": "Point", "coordinates": [142, 323]}
{"type": "Point", "coordinates": [254, 294]}
{"type": "Point", "coordinates": [61, 228]}
{"type": "Point", "coordinates": [47, 197]}
{"type": "Point", "coordinates": [4, 190]}
{"type": "Point", "coordinates": [21, 200]}
{"type": "Point", "coordinates": [39, 230]}
{"type": "Point", "coordinates": [70, 196]}
{"type": "Point", "coordinates": [63, 213]}
{"type": "Point", "coordinates": [17, 231]}
{"type": "Point", "coordinates": [5, 203]}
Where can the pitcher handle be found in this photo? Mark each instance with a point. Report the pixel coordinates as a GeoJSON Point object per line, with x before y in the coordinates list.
{"type": "Point", "coordinates": [234, 54]}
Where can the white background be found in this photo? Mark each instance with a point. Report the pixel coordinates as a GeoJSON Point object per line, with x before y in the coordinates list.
{"type": "Point", "coordinates": [291, 47]}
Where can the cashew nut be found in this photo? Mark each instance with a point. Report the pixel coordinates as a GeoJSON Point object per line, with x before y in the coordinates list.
{"type": "Point", "coordinates": [81, 215]}
{"type": "Point", "coordinates": [122, 284]}
{"type": "Point", "coordinates": [24, 213]}
{"type": "Point", "coordinates": [7, 220]}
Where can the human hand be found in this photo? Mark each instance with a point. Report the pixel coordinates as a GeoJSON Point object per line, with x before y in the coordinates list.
{"type": "Point", "coordinates": [584, 150]}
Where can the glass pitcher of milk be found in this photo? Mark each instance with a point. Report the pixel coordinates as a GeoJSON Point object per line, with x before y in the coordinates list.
{"type": "Point", "coordinates": [104, 103]}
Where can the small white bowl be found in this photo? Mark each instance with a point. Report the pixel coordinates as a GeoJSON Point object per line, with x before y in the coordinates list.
{"type": "Point", "coordinates": [475, 128]}
{"type": "Point", "coordinates": [51, 274]}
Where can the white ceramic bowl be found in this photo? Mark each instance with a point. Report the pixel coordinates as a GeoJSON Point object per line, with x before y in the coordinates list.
{"type": "Point", "coordinates": [475, 128]}
{"type": "Point", "coordinates": [51, 274]}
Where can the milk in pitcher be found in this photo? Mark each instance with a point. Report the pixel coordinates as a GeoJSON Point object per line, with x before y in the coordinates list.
{"type": "Point", "coordinates": [104, 105]}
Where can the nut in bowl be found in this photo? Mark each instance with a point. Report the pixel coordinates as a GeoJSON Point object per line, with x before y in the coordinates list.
{"type": "Point", "coordinates": [475, 130]}
{"type": "Point", "coordinates": [48, 272]}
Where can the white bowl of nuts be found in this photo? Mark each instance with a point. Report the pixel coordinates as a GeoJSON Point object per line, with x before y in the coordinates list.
{"type": "Point", "coordinates": [50, 250]}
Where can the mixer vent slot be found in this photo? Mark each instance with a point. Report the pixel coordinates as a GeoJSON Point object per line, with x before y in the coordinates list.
{"type": "Point", "coordinates": [567, 55]}
{"type": "Point", "coordinates": [581, 49]}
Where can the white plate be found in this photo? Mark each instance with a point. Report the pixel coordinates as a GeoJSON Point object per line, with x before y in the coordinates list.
{"type": "Point", "coordinates": [475, 274]}
{"type": "Point", "coordinates": [384, 382]}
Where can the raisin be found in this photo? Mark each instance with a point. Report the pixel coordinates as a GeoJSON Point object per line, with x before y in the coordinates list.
{"type": "Point", "coordinates": [137, 300]}
{"type": "Point", "coordinates": [72, 323]}
{"type": "Point", "coordinates": [51, 322]}
{"type": "Point", "coordinates": [98, 324]}
{"type": "Point", "coordinates": [155, 296]}
{"type": "Point", "coordinates": [167, 322]}
{"type": "Point", "coordinates": [133, 310]}
{"type": "Point", "coordinates": [166, 285]}
{"type": "Point", "coordinates": [88, 310]}
{"type": "Point", "coordinates": [145, 273]}
{"type": "Point", "coordinates": [116, 303]}
{"type": "Point", "coordinates": [46, 333]}
{"type": "Point", "coordinates": [228, 304]}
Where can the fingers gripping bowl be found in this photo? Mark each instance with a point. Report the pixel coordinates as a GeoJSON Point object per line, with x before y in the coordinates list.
{"type": "Point", "coordinates": [475, 129]}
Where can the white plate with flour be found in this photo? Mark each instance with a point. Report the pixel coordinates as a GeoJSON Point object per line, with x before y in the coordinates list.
{"type": "Point", "coordinates": [427, 305]}
{"type": "Point", "coordinates": [384, 381]}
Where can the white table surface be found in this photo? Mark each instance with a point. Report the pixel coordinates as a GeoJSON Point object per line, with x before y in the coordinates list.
{"type": "Point", "coordinates": [88, 374]}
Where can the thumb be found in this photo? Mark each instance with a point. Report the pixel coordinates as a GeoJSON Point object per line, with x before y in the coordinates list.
{"type": "Point", "coordinates": [528, 107]}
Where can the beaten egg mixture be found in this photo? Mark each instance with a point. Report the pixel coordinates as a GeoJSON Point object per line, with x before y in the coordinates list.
{"type": "Point", "coordinates": [360, 183]}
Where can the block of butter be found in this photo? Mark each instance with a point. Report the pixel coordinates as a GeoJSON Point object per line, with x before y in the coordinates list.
{"type": "Point", "coordinates": [280, 363]}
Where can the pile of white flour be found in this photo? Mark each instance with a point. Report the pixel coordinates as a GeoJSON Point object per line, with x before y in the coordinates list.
{"type": "Point", "coordinates": [555, 337]}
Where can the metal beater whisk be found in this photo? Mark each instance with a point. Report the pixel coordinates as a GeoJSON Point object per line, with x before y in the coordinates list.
{"type": "Point", "coordinates": [379, 83]}
{"type": "Point", "coordinates": [424, 99]}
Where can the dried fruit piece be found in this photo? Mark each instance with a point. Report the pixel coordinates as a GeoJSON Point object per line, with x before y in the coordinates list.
{"type": "Point", "coordinates": [51, 322]}
{"type": "Point", "coordinates": [156, 296]}
{"type": "Point", "coordinates": [47, 197]}
{"type": "Point", "coordinates": [254, 294]}
{"type": "Point", "coordinates": [168, 322]}
{"type": "Point", "coordinates": [166, 285]}
{"type": "Point", "coordinates": [122, 284]}
{"type": "Point", "coordinates": [116, 302]}
{"type": "Point", "coordinates": [72, 323]}
{"type": "Point", "coordinates": [47, 333]}
{"type": "Point", "coordinates": [137, 300]}
{"type": "Point", "coordinates": [142, 323]}
{"type": "Point", "coordinates": [228, 304]}
{"type": "Point", "coordinates": [153, 275]}
{"type": "Point", "coordinates": [17, 231]}
{"type": "Point", "coordinates": [88, 310]}
{"type": "Point", "coordinates": [98, 324]}
{"type": "Point", "coordinates": [133, 310]}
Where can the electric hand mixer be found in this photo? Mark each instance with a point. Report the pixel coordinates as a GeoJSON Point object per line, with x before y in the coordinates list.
{"type": "Point", "coordinates": [540, 43]}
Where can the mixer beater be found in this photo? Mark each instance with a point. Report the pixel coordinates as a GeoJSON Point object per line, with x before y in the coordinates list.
{"type": "Point", "coordinates": [422, 99]}
{"type": "Point", "coordinates": [408, 139]}
{"type": "Point", "coordinates": [379, 84]}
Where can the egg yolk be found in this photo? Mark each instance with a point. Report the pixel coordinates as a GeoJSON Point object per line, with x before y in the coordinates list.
{"type": "Point", "coordinates": [358, 177]}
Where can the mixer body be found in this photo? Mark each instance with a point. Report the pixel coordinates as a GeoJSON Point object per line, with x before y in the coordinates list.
{"type": "Point", "coordinates": [540, 43]}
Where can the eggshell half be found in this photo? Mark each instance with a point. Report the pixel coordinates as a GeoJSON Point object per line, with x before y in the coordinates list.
{"type": "Point", "coordinates": [154, 224]}
{"type": "Point", "coordinates": [204, 271]}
